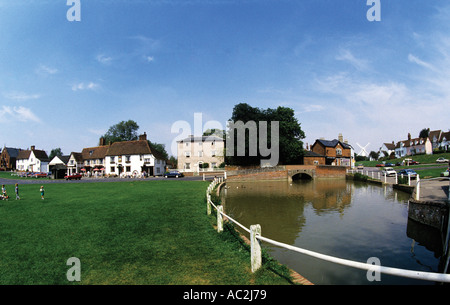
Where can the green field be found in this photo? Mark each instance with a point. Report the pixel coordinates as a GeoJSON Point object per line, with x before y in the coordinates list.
{"type": "Point", "coordinates": [136, 232]}
{"type": "Point", "coordinates": [423, 159]}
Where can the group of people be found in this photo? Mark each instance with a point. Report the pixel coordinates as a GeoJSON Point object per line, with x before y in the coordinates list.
{"type": "Point", "coordinates": [4, 195]}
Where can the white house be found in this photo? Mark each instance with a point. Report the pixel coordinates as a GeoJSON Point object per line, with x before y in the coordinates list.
{"type": "Point", "coordinates": [133, 158]}
{"type": "Point", "coordinates": [75, 163]}
{"type": "Point", "coordinates": [194, 152]}
{"type": "Point", "coordinates": [32, 160]}
{"type": "Point", "coordinates": [58, 166]}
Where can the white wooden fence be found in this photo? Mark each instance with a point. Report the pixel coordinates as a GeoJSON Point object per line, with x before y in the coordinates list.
{"type": "Point", "coordinates": [256, 257]}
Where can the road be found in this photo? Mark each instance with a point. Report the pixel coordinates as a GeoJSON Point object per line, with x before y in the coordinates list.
{"type": "Point", "coordinates": [13, 181]}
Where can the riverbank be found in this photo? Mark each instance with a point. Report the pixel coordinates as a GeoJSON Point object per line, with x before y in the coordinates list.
{"type": "Point", "coordinates": [129, 232]}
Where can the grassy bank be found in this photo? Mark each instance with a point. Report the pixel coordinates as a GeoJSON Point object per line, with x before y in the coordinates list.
{"type": "Point", "coordinates": [423, 159]}
{"type": "Point", "coordinates": [141, 232]}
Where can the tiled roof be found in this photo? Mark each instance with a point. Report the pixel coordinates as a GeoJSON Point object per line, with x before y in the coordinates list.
{"type": "Point", "coordinates": [98, 152]}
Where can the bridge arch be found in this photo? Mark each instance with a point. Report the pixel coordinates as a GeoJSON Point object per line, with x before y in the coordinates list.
{"type": "Point", "coordinates": [302, 176]}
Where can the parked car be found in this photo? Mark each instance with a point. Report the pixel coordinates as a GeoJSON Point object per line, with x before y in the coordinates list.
{"type": "Point", "coordinates": [441, 160]}
{"type": "Point", "coordinates": [380, 165]}
{"type": "Point", "coordinates": [73, 177]}
{"type": "Point", "coordinates": [389, 171]}
{"type": "Point", "coordinates": [445, 174]}
{"type": "Point", "coordinates": [405, 172]}
{"type": "Point", "coordinates": [40, 175]}
{"type": "Point", "coordinates": [410, 162]}
{"type": "Point", "coordinates": [389, 164]}
{"type": "Point", "coordinates": [171, 174]}
{"type": "Point", "coordinates": [360, 166]}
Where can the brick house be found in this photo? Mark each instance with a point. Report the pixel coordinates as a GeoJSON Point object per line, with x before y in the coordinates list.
{"type": "Point", "coordinates": [336, 152]}
{"type": "Point", "coordinates": [8, 158]}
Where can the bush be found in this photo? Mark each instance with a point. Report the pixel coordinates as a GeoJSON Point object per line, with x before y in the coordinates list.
{"type": "Point", "coordinates": [360, 177]}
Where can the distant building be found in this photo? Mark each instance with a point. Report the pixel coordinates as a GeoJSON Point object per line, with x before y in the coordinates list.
{"type": "Point", "coordinates": [414, 146]}
{"type": "Point", "coordinates": [8, 158]}
{"type": "Point", "coordinates": [336, 152]}
{"type": "Point", "coordinates": [194, 152]}
{"type": "Point", "coordinates": [134, 158]}
{"type": "Point", "coordinates": [32, 160]}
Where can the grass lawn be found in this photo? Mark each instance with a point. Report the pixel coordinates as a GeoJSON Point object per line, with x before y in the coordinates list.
{"type": "Point", "coordinates": [140, 232]}
{"type": "Point", "coordinates": [423, 159]}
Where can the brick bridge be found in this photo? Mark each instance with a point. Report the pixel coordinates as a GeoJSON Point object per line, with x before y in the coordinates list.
{"type": "Point", "coordinates": [286, 172]}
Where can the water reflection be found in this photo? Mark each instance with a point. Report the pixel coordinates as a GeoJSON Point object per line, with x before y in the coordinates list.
{"type": "Point", "coordinates": [331, 216]}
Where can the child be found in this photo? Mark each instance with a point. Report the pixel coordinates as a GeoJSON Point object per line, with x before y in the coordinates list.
{"type": "Point", "coordinates": [42, 192]}
{"type": "Point", "coordinates": [17, 192]}
{"type": "Point", "coordinates": [4, 195]}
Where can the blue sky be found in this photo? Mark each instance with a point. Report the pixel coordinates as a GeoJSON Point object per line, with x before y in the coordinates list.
{"type": "Point", "coordinates": [63, 84]}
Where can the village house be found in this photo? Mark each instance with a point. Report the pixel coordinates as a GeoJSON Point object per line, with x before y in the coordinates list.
{"type": "Point", "coordinates": [388, 149]}
{"type": "Point", "coordinates": [32, 160]}
{"type": "Point", "coordinates": [336, 152]}
{"type": "Point", "coordinates": [94, 158]}
{"type": "Point", "coordinates": [133, 158]}
{"type": "Point", "coordinates": [414, 146]}
{"type": "Point", "coordinates": [75, 163]}
{"type": "Point", "coordinates": [8, 158]}
{"type": "Point", "coordinates": [195, 152]}
{"type": "Point", "coordinates": [58, 166]}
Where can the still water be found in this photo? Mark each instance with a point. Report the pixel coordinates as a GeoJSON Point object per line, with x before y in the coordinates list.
{"type": "Point", "coordinates": [349, 220]}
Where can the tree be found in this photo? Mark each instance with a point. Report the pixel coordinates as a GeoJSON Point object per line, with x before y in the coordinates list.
{"type": "Point", "coordinates": [160, 149]}
{"type": "Point", "coordinates": [424, 133]}
{"type": "Point", "coordinates": [55, 152]}
{"type": "Point", "coordinates": [122, 131]}
{"type": "Point", "coordinates": [290, 134]}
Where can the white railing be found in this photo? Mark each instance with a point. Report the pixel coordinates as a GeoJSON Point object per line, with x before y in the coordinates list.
{"type": "Point", "coordinates": [255, 248]}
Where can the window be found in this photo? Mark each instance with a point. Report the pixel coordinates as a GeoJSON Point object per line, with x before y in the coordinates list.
{"type": "Point", "coordinates": [213, 153]}
{"type": "Point", "coordinates": [213, 164]}
{"type": "Point", "coordinates": [158, 170]}
{"type": "Point", "coordinates": [113, 169]}
{"type": "Point", "coordinates": [91, 152]}
{"type": "Point", "coordinates": [187, 154]}
{"type": "Point", "coordinates": [187, 166]}
{"type": "Point", "coordinates": [200, 153]}
{"type": "Point", "coordinates": [112, 159]}
{"type": "Point", "coordinates": [128, 168]}
{"type": "Point", "coordinates": [316, 162]}
{"type": "Point", "coordinates": [127, 159]}
{"type": "Point", "coordinates": [338, 151]}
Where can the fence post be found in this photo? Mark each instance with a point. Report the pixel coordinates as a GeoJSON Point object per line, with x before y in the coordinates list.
{"type": "Point", "coordinates": [208, 205]}
{"type": "Point", "coordinates": [255, 248]}
{"type": "Point", "coordinates": [219, 219]}
{"type": "Point", "coordinates": [409, 179]}
{"type": "Point", "coordinates": [418, 188]}
{"type": "Point", "coordinates": [396, 178]}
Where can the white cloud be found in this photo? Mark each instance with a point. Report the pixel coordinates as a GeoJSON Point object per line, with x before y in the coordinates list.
{"type": "Point", "coordinates": [312, 108]}
{"type": "Point", "coordinates": [45, 70]}
{"type": "Point", "coordinates": [416, 60]}
{"type": "Point", "coordinates": [347, 56]}
{"type": "Point", "coordinates": [103, 59]}
{"type": "Point", "coordinates": [149, 58]}
{"type": "Point", "coordinates": [85, 86]}
{"type": "Point", "coordinates": [22, 114]}
{"type": "Point", "coordinates": [20, 96]}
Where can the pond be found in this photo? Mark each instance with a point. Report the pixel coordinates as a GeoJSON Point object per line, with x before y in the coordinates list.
{"type": "Point", "coordinates": [350, 220]}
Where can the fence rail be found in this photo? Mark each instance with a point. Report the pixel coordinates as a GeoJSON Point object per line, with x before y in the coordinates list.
{"type": "Point", "coordinates": [256, 262]}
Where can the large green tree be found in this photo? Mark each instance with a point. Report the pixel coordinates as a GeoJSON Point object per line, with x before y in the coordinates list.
{"type": "Point", "coordinates": [122, 131]}
{"type": "Point", "coordinates": [289, 140]}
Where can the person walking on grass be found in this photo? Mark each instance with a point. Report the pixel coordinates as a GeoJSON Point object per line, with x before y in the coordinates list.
{"type": "Point", "coordinates": [17, 192]}
{"type": "Point", "coordinates": [42, 192]}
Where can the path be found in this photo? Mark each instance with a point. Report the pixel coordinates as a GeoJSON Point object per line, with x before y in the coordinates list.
{"type": "Point", "coordinates": [434, 190]}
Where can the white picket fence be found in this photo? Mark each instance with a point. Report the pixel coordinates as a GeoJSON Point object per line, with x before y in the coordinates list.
{"type": "Point", "coordinates": [256, 256]}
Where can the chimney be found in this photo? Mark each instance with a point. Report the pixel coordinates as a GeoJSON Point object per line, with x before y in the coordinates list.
{"type": "Point", "coordinates": [33, 147]}
{"type": "Point", "coordinates": [143, 137]}
{"type": "Point", "coordinates": [340, 138]}
{"type": "Point", "coordinates": [409, 136]}
{"type": "Point", "coordinates": [102, 141]}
